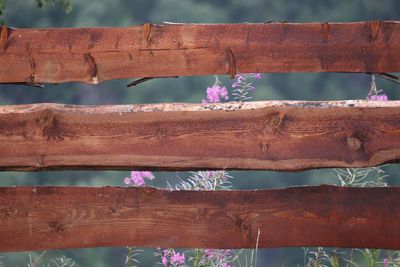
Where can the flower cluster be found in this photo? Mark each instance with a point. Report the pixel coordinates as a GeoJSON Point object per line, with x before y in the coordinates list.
{"type": "Point", "coordinates": [138, 177]}
{"type": "Point", "coordinates": [216, 93]}
{"type": "Point", "coordinates": [373, 93]}
{"type": "Point", "coordinates": [378, 97]}
{"type": "Point", "coordinates": [170, 257]}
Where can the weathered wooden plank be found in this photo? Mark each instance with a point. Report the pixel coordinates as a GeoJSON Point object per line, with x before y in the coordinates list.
{"type": "Point", "coordinates": [271, 135]}
{"type": "Point", "coordinates": [96, 54]}
{"type": "Point", "coordinates": [38, 218]}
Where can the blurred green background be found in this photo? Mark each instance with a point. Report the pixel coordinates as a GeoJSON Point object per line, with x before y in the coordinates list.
{"type": "Point", "coordinates": [296, 86]}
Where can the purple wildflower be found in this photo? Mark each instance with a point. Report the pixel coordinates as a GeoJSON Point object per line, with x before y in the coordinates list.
{"type": "Point", "coordinates": [382, 97]}
{"type": "Point", "coordinates": [164, 260]}
{"type": "Point", "coordinates": [165, 254]}
{"type": "Point", "coordinates": [177, 258]}
{"type": "Point", "coordinates": [216, 93]}
{"type": "Point", "coordinates": [170, 256]}
{"type": "Point", "coordinates": [257, 76]}
{"type": "Point", "coordinates": [373, 93]}
{"type": "Point", "coordinates": [138, 178]}
{"type": "Point", "coordinates": [385, 263]}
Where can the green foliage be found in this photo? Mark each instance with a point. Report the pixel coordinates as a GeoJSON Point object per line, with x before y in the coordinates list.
{"type": "Point", "coordinates": [52, 262]}
{"type": "Point", "coordinates": [34, 262]}
{"type": "Point", "coordinates": [131, 257]}
{"type": "Point", "coordinates": [61, 262]}
{"type": "Point", "coordinates": [205, 181]}
{"type": "Point", "coordinates": [2, 10]}
{"type": "Point", "coordinates": [316, 258]}
{"type": "Point", "coordinates": [361, 177]}
{"type": "Point", "coordinates": [66, 4]}
{"type": "Point", "coordinates": [370, 257]}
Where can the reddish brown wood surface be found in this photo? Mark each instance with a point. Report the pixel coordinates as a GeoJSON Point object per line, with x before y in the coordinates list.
{"type": "Point", "coordinates": [271, 135]}
{"type": "Point", "coordinates": [38, 218]}
{"type": "Point", "coordinates": [97, 54]}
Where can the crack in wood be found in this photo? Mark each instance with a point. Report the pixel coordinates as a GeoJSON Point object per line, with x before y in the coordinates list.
{"type": "Point", "coordinates": [146, 32]}
{"type": "Point", "coordinates": [325, 31]}
{"type": "Point", "coordinates": [93, 70]}
{"type": "Point", "coordinates": [375, 27]}
{"type": "Point", "coordinates": [4, 35]}
{"type": "Point", "coordinates": [232, 69]}
{"type": "Point", "coordinates": [32, 65]}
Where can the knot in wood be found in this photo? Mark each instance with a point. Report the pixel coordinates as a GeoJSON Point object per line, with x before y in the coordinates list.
{"type": "Point", "coordinates": [56, 226]}
{"type": "Point", "coordinates": [274, 121]}
{"type": "Point", "coordinates": [46, 118]}
{"type": "Point", "coordinates": [353, 143]}
{"type": "Point", "coordinates": [161, 134]}
{"type": "Point", "coordinates": [113, 211]}
{"type": "Point", "coordinates": [244, 227]}
{"type": "Point", "coordinates": [264, 147]}
{"type": "Point", "coordinates": [47, 125]}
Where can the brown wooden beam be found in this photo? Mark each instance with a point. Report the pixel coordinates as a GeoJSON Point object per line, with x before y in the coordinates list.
{"type": "Point", "coordinates": [271, 135]}
{"type": "Point", "coordinates": [38, 218]}
{"type": "Point", "coordinates": [93, 55]}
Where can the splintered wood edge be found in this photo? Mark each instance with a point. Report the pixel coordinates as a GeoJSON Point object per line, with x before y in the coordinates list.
{"type": "Point", "coordinates": [227, 106]}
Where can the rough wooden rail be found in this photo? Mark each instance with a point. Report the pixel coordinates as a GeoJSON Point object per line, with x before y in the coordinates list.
{"type": "Point", "coordinates": [271, 135]}
{"type": "Point", "coordinates": [96, 54]}
{"type": "Point", "coordinates": [38, 218]}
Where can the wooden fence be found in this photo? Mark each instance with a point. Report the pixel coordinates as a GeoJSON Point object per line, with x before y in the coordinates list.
{"type": "Point", "coordinates": [268, 135]}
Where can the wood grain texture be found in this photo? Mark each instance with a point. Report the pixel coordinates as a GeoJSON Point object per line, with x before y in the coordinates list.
{"type": "Point", "coordinates": [270, 135]}
{"type": "Point", "coordinates": [93, 55]}
{"type": "Point", "coordinates": [38, 218]}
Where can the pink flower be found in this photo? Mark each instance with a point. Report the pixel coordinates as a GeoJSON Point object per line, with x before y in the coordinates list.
{"type": "Point", "coordinates": [177, 258]}
{"type": "Point", "coordinates": [138, 178]}
{"type": "Point", "coordinates": [378, 97]}
{"type": "Point", "coordinates": [240, 78]}
{"type": "Point", "coordinates": [164, 260]}
{"type": "Point", "coordinates": [385, 263]}
{"type": "Point", "coordinates": [216, 93]}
